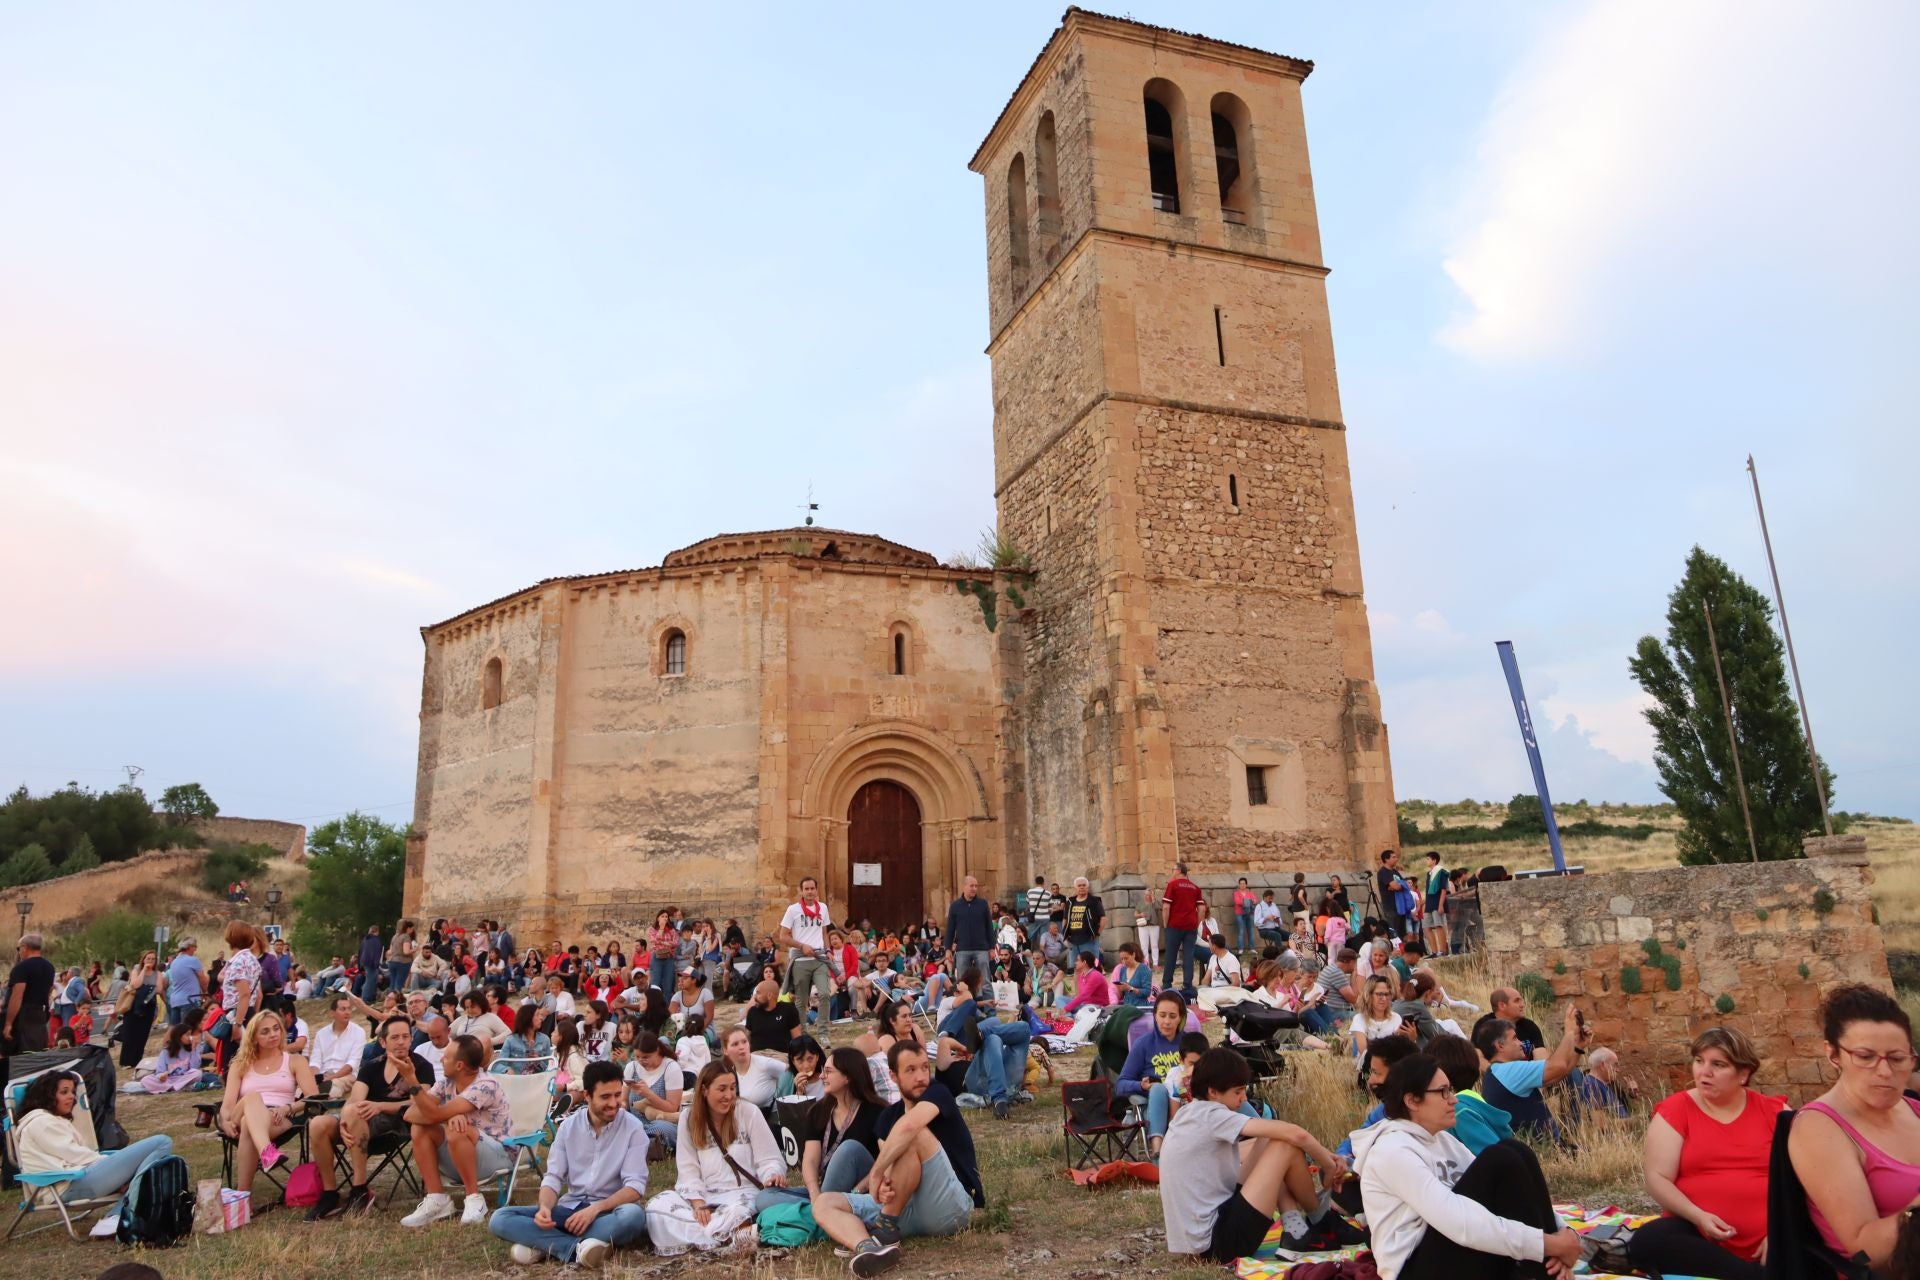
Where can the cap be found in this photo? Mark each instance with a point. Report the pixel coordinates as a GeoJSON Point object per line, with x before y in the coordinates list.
{"type": "Point", "coordinates": [188, 941]}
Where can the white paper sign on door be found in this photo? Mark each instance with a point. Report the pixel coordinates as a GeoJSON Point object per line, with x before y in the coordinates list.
{"type": "Point", "coordinates": [866, 873]}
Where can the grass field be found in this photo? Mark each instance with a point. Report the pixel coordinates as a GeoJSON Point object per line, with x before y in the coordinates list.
{"type": "Point", "coordinates": [1037, 1221]}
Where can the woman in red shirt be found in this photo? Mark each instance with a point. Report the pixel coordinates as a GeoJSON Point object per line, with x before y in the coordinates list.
{"type": "Point", "coordinates": [1706, 1164]}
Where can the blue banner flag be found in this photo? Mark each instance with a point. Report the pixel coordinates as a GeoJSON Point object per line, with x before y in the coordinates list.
{"type": "Point", "coordinates": [1512, 667]}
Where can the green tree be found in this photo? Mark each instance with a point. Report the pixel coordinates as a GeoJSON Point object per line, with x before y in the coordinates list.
{"type": "Point", "coordinates": [120, 823]}
{"type": "Point", "coordinates": [27, 866]}
{"type": "Point", "coordinates": [356, 865]}
{"type": "Point", "coordinates": [118, 936]}
{"type": "Point", "coordinates": [186, 801]}
{"type": "Point", "coordinates": [227, 862]}
{"type": "Point", "coordinates": [1525, 814]}
{"type": "Point", "coordinates": [81, 857]}
{"type": "Point", "coordinates": [1689, 721]}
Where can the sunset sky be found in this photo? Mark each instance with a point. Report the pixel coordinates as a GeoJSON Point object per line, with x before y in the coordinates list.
{"type": "Point", "coordinates": [320, 323]}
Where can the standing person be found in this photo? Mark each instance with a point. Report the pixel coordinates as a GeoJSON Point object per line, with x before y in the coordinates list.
{"type": "Point", "coordinates": [1146, 923]}
{"type": "Point", "coordinates": [142, 1007]}
{"type": "Point", "coordinates": [1434, 918]}
{"type": "Point", "coordinates": [1038, 900]}
{"type": "Point", "coordinates": [186, 983]}
{"type": "Point", "coordinates": [804, 929]}
{"type": "Point", "coordinates": [1391, 886]}
{"type": "Point", "coordinates": [1244, 902]}
{"type": "Point", "coordinates": [1086, 917]}
{"type": "Point", "coordinates": [29, 993]}
{"type": "Point", "coordinates": [72, 998]}
{"type": "Point", "coordinates": [240, 993]}
{"type": "Point", "coordinates": [400, 956]}
{"type": "Point", "coordinates": [372, 955]}
{"type": "Point", "coordinates": [596, 1179]}
{"type": "Point", "coordinates": [970, 928]}
{"type": "Point", "coordinates": [663, 950]}
{"type": "Point", "coordinates": [1297, 897]}
{"type": "Point", "coordinates": [1183, 904]}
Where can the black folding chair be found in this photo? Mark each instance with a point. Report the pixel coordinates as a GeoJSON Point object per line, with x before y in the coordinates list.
{"type": "Point", "coordinates": [1795, 1250]}
{"type": "Point", "coordinates": [228, 1146]}
{"type": "Point", "coordinates": [1093, 1136]}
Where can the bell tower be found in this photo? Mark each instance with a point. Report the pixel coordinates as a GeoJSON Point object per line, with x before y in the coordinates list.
{"type": "Point", "coordinates": [1169, 449]}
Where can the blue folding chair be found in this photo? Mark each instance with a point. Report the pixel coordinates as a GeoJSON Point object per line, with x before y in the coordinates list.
{"type": "Point", "coordinates": [42, 1190]}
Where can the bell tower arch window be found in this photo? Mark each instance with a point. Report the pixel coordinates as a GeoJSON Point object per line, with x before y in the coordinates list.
{"type": "Point", "coordinates": [1233, 160]}
{"type": "Point", "coordinates": [492, 676]}
{"type": "Point", "coordinates": [1164, 110]}
{"type": "Point", "coordinates": [1017, 222]}
{"type": "Point", "coordinates": [1046, 182]}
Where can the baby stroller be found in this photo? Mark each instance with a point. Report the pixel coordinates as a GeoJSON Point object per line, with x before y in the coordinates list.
{"type": "Point", "coordinates": [1254, 1027]}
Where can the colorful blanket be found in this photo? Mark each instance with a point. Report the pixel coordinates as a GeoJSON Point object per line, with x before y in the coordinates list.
{"type": "Point", "coordinates": [1266, 1263]}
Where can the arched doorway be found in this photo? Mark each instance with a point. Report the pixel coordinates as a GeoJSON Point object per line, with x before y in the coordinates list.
{"type": "Point", "coordinates": [884, 853]}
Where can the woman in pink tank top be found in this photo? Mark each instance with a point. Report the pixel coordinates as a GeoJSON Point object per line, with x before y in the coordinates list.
{"type": "Point", "coordinates": [1856, 1148]}
{"type": "Point", "coordinates": [262, 1086]}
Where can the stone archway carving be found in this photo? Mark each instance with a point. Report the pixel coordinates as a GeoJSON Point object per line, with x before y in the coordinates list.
{"type": "Point", "coordinates": [948, 787]}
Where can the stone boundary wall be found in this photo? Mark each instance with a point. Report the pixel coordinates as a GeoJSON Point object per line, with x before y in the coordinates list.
{"type": "Point", "coordinates": [65, 900]}
{"type": "Point", "coordinates": [1123, 895]}
{"type": "Point", "coordinates": [1754, 934]}
{"type": "Point", "coordinates": [289, 839]}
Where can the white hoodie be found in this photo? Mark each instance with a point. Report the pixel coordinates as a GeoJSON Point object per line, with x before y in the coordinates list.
{"type": "Point", "coordinates": [1406, 1183]}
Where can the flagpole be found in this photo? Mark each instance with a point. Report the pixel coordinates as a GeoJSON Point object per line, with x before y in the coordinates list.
{"type": "Point", "coordinates": [1799, 693]}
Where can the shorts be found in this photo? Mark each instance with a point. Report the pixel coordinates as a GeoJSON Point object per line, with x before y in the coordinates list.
{"type": "Point", "coordinates": [387, 1122]}
{"type": "Point", "coordinates": [490, 1158]}
{"type": "Point", "coordinates": [940, 1206]}
{"type": "Point", "coordinates": [1238, 1229]}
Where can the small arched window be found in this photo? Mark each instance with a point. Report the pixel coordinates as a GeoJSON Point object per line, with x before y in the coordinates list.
{"type": "Point", "coordinates": [1233, 159]}
{"type": "Point", "coordinates": [900, 649]}
{"type": "Point", "coordinates": [1017, 218]}
{"type": "Point", "coordinates": [899, 653]}
{"type": "Point", "coordinates": [1046, 182]}
{"type": "Point", "coordinates": [674, 656]}
{"type": "Point", "coordinates": [1163, 106]}
{"type": "Point", "coordinates": [490, 681]}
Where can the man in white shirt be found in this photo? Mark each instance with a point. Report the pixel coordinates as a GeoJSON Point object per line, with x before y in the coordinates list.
{"type": "Point", "coordinates": [803, 929]}
{"type": "Point", "coordinates": [434, 1047]}
{"type": "Point", "coordinates": [337, 1047]}
{"type": "Point", "coordinates": [1220, 984]}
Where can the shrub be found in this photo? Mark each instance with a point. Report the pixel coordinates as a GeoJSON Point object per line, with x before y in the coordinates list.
{"type": "Point", "coordinates": [1630, 979]}
{"type": "Point", "coordinates": [29, 865]}
{"type": "Point", "coordinates": [227, 862]}
{"type": "Point", "coordinates": [1823, 901]}
{"type": "Point", "coordinates": [1670, 965]}
{"type": "Point", "coordinates": [1652, 947]}
{"type": "Point", "coordinates": [1534, 988]}
{"type": "Point", "coordinates": [1760, 914]}
{"type": "Point", "coordinates": [117, 935]}
{"type": "Point", "coordinates": [1724, 1004]}
{"type": "Point", "coordinates": [1559, 966]}
{"type": "Point", "coordinates": [1804, 971]}
{"type": "Point", "coordinates": [1679, 944]}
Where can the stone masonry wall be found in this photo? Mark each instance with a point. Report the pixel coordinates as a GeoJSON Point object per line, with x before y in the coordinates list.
{"type": "Point", "coordinates": [289, 839]}
{"type": "Point", "coordinates": [66, 900]}
{"type": "Point", "coordinates": [1755, 934]}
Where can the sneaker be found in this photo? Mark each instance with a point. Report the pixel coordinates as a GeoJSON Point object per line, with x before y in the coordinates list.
{"type": "Point", "coordinates": [1001, 1109]}
{"type": "Point", "coordinates": [970, 1101]}
{"type": "Point", "coordinates": [271, 1158]}
{"type": "Point", "coordinates": [474, 1211]}
{"type": "Point", "coordinates": [1338, 1232]}
{"type": "Point", "coordinates": [885, 1230]}
{"type": "Point", "coordinates": [327, 1206]}
{"type": "Point", "coordinates": [1293, 1247]}
{"type": "Point", "coordinates": [526, 1255]}
{"type": "Point", "coordinates": [106, 1227]}
{"type": "Point", "coordinates": [437, 1207]}
{"type": "Point", "coordinates": [591, 1253]}
{"type": "Point", "coordinates": [359, 1200]}
{"type": "Point", "coordinates": [745, 1240]}
{"type": "Point", "coordinates": [1022, 1097]}
{"type": "Point", "coordinates": [871, 1258]}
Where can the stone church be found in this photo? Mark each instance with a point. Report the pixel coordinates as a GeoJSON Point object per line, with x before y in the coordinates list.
{"type": "Point", "coordinates": [1179, 666]}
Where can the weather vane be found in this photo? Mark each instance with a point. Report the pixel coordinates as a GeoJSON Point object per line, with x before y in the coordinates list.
{"type": "Point", "coordinates": [809, 506]}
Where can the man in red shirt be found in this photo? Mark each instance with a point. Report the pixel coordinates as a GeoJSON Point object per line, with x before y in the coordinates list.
{"type": "Point", "coordinates": [1184, 910]}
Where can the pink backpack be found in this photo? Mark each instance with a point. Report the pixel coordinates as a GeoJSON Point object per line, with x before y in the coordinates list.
{"type": "Point", "coordinates": [303, 1186]}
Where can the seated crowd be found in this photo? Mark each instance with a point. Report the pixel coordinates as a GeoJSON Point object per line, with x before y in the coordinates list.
{"type": "Point", "coordinates": [1443, 1167]}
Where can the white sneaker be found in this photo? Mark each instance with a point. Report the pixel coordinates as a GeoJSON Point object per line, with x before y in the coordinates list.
{"type": "Point", "coordinates": [105, 1227]}
{"type": "Point", "coordinates": [526, 1255]}
{"type": "Point", "coordinates": [745, 1240]}
{"type": "Point", "coordinates": [475, 1211]}
{"type": "Point", "coordinates": [591, 1253]}
{"type": "Point", "coordinates": [437, 1207]}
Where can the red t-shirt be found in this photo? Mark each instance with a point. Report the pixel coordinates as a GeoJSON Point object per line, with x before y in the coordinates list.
{"type": "Point", "coordinates": [1723, 1167]}
{"type": "Point", "coordinates": [1183, 903]}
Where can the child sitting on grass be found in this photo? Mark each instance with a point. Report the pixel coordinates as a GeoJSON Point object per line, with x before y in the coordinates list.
{"type": "Point", "coordinates": [1219, 1203]}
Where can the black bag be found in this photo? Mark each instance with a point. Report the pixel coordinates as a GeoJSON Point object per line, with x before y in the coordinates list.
{"type": "Point", "coordinates": [159, 1207]}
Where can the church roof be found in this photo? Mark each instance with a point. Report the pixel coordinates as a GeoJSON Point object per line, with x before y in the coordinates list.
{"type": "Point", "coordinates": [1302, 66]}
{"type": "Point", "coordinates": [813, 542]}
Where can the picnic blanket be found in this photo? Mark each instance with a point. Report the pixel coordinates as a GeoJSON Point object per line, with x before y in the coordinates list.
{"type": "Point", "coordinates": [1267, 1264]}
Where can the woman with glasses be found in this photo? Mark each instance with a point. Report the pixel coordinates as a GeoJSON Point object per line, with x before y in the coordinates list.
{"type": "Point", "coordinates": [1856, 1148]}
{"type": "Point", "coordinates": [1439, 1212]}
{"type": "Point", "coordinates": [1706, 1165]}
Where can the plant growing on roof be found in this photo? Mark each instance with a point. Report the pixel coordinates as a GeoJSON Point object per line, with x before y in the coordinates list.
{"type": "Point", "coordinates": [1009, 569]}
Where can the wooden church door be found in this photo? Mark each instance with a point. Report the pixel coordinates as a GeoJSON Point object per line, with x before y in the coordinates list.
{"type": "Point", "coordinates": [883, 850]}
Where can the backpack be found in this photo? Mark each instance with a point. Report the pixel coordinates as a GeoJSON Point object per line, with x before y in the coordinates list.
{"type": "Point", "coordinates": [788, 1224]}
{"type": "Point", "coordinates": [159, 1206]}
{"type": "Point", "coordinates": [303, 1186]}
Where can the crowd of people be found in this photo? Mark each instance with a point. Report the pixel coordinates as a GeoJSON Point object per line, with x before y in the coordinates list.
{"type": "Point", "coordinates": [866, 1048]}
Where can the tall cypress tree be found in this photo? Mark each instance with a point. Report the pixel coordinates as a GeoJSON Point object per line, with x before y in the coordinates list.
{"type": "Point", "coordinates": [1690, 726]}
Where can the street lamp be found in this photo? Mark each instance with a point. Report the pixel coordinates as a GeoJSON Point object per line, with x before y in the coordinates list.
{"type": "Point", "coordinates": [25, 908]}
{"type": "Point", "coordinates": [273, 905]}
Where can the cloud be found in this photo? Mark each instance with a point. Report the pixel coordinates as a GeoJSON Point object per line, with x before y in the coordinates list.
{"type": "Point", "coordinates": [1639, 144]}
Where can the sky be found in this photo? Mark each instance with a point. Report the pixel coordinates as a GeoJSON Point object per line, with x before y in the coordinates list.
{"type": "Point", "coordinates": [321, 323]}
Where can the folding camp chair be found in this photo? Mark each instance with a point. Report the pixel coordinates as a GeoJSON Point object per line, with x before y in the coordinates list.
{"type": "Point", "coordinates": [530, 1099]}
{"type": "Point", "coordinates": [1795, 1250]}
{"type": "Point", "coordinates": [1093, 1136]}
{"type": "Point", "coordinates": [42, 1190]}
{"type": "Point", "coordinates": [228, 1146]}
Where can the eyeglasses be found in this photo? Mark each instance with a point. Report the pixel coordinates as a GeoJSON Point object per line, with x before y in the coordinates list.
{"type": "Point", "coordinates": [1901, 1060]}
{"type": "Point", "coordinates": [1445, 1091]}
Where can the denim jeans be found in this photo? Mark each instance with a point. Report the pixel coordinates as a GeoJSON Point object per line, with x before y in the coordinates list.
{"type": "Point", "coordinates": [397, 971]}
{"type": "Point", "coordinates": [1244, 921]}
{"type": "Point", "coordinates": [848, 1164]}
{"type": "Point", "coordinates": [177, 1013]}
{"type": "Point", "coordinates": [622, 1226]}
{"type": "Point", "coordinates": [1088, 946]}
{"type": "Point", "coordinates": [1177, 943]}
{"type": "Point", "coordinates": [1318, 1019]}
{"type": "Point", "coordinates": [114, 1170]}
{"type": "Point", "coordinates": [1001, 1064]}
{"type": "Point", "coordinates": [965, 962]}
{"type": "Point", "coordinates": [663, 1134]}
{"type": "Point", "coordinates": [660, 973]}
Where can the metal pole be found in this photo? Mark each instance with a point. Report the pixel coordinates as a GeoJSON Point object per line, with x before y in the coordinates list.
{"type": "Point", "coordinates": [1780, 600]}
{"type": "Point", "coordinates": [1733, 740]}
